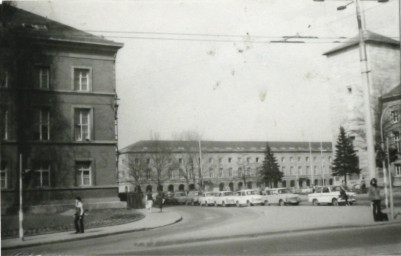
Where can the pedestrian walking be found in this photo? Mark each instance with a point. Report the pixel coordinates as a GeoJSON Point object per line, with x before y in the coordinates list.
{"type": "Point", "coordinates": [374, 196]}
{"type": "Point", "coordinates": [149, 201]}
{"type": "Point", "coordinates": [161, 200]}
{"type": "Point", "coordinates": [79, 215]}
{"type": "Point", "coordinates": [343, 193]}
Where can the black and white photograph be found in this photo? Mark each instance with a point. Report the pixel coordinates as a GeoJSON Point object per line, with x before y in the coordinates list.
{"type": "Point", "coordinates": [200, 127]}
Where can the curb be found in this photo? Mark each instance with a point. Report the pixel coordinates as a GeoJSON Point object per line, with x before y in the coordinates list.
{"type": "Point", "coordinates": [87, 237]}
{"type": "Point", "coordinates": [206, 239]}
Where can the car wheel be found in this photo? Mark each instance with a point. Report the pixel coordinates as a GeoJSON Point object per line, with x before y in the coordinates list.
{"type": "Point", "coordinates": [315, 202]}
{"type": "Point", "coordinates": [265, 203]}
{"type": "Point", "coordinates": [281, 202]}
{"type": "Point", "coordinates": [334, 202]}
{"type": "Point", "coordinates": [224, 204]}
{"type": "Point", "coordinates": [237, 204]}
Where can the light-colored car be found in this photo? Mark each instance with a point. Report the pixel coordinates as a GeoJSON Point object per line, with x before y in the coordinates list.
{"type": "Point", "coordinates": [330, 195]}
{"type": "Point", "coordinates": [281, 196]}
{"type": "Point", "coordinates": [206, 198]}
{"type": "Point", "coordinates": [247, 197]}
{"type": "Point", "coordinates": [193, 197]}
{"type": "Point", "coordinates": [224, 198]}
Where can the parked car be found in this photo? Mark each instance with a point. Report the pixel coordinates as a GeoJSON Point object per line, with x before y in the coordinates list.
{"type": "Point", "coordinates": [206, 198]}
{"type": "Point", "coordinates": [247, 197]}
{"type": "Point", "coordinates": [224, 198]}
{"type": "Point", "coordinates": [330, 195]}
{"type": "Point", "coordinates": [181, 197]}
{"type": "Point", "coordinates": [193, 197]}
{"type": "Point", "coordinates": [281, 196]}
{"type": "Point", "coordinates": [169, 198]}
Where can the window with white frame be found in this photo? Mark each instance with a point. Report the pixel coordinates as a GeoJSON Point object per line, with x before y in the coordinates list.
{"type": "Point", "coordinates": [248, 171]}
{"type": "Point", "coordinates": [210, 160]}
{"type": "Point", "coordinates": [239, 172]}
{"type": "Point", "coordinates": [283, 170]}
{"type": "Point", "coordinates": [220, 160]}
{"type": "Point", "coordinates": [230, 172]}
{"type": "Point", "coordinates": [221, 172]}
{"type": "Point", "coordinates": [84, 173]}
{"type": "Point", "coordinates": [248, 160]}
{"type": "Point", "coordinates": [300, 170]}
{"type": "Point", "coordinates": [307, 170]}
{"type": "Point", "coordinates": [291, 170]}
{"type": "Point", "coordinates": [82, 79]}
{"type": "Point", "coordinates": [3, 174]}
{"type": "Point", "coordinates": [180, 173]}
{"type": "Point", "coordinates": [43, 77]}
{"type": "Point", "coordinates": [4, 123]}
{"type": "Point", "coordinates": [82, 121]}
{"type": "Point", "coordinates": [396, 140]}
{"type": "Point", "coordinates": [41, 173]}
{"type": "Point", "coordinates": [229, 159]}
{"type": "Point", "coordinates": [398, 170]}
{"type": "Point", "coordinates": [315, 170]}
{"type": "Point", "coordinates": [239, 159]}
{"type": "Point", "coordinates": [211, 172]}
{"type": "Point", "coordinates": [395, 118]}
{"type": "Point", "coordinates": [41, 130]}
{"type": "Point", "coordinates": [257, 159]}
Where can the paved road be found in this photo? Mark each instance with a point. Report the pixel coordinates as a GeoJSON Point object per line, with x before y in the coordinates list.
{"type": "Point", "coordinates": [378, 240]}
{"type": "Point", "coordinates": [201, 222]}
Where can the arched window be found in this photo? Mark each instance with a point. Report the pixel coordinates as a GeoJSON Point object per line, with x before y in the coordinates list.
{"type": "Point", "coordinates": [181, 187]}
{"type": "Point", "coordinates": [171, 188]}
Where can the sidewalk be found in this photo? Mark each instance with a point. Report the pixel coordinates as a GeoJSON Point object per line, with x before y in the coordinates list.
{"type": "Point", "coordinates": [151, 220]}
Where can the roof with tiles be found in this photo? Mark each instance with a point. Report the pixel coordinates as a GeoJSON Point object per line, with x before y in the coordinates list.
{"type": "Point", "coordinates": [368, 37]}
{"type": "Point", "coordinates": [27, 24]}
{"type": "Point", "coordinates": [224, 146]}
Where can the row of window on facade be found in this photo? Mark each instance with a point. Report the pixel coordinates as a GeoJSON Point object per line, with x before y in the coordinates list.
{"type": "Point", "coordinates": [81, 78]}
{"type": "Point", "coordinates": [41, 174]}
{"type": "Point", "coordinates": [42, 123]}
{"type": "Point", "coordinates": [299, 159]}
{"type": "Point", "coordinates": [291, 170]}
{"type": "Point", "coordinates": [240, 160]}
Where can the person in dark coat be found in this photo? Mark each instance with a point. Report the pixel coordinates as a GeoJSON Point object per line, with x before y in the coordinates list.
{"type": "Point", "coordinates": [79, 215]}
{"type": "Point", "coordinates": [343, 193]}
{"type": "Point", "coordinates": [374, 196]}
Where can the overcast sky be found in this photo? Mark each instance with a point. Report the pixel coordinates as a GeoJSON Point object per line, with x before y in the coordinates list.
{"type": "Point", "coordinates": [241, 89]}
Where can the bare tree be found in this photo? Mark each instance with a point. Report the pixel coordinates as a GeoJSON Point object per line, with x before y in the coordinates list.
{"type": "Point", "coordinates": [192, 166]}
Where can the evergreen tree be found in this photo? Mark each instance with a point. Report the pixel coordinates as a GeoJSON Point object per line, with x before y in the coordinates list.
{"type": "Point", "coordinates": [345, 161]}
{"type": "Point", "coordinates": [270, 171]}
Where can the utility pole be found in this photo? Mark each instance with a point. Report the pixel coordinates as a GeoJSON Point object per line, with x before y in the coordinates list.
{"type": "Point", "coordinates": [366, 93]}
{"type": "Point", "coordinates": [20, 213]}
{"type": "Point", "coordinates": [311, 163]}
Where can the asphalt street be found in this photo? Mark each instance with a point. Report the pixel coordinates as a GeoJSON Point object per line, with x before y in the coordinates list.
{"type": "Point", "coordinates": [198, 221]}
{"type": "Point", "coordinates": [377, 240]}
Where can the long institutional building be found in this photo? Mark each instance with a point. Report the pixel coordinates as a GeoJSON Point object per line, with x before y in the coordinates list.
{"type": "Point", "coordinates": [224, 164]}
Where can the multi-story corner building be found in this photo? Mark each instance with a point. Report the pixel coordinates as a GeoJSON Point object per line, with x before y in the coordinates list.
{"type": "Point", "coordinates": [223, 164]}
{"type": "Point", "coordinates": [346, 88]}
{"type": "Point", "coordinates": [58, 111]}
{"type": "Point", "coordinates": [390, 129]}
